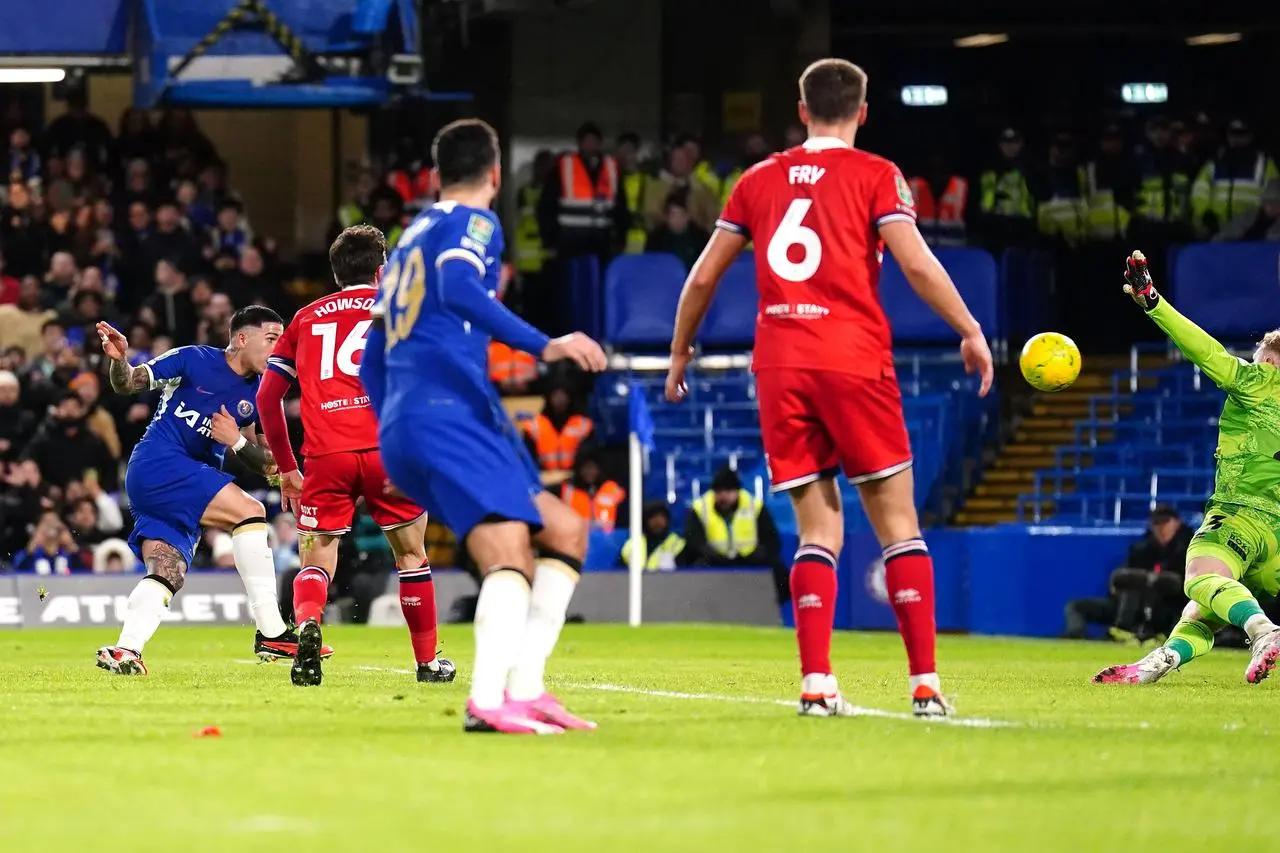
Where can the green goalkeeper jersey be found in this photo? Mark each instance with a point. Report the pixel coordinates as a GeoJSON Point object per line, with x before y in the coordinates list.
{"type": "Point", "coordinates": [1248, 454]}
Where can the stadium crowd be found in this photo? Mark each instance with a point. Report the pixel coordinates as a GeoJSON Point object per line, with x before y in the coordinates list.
{"type": "Point", "coordinates": [140, 227]}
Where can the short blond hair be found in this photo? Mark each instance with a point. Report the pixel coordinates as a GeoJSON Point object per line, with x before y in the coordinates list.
{"type": "Point", "coordinates": [1271, 342]}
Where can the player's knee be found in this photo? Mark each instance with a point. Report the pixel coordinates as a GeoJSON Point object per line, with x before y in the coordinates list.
{"type": "Point", "coordinates": [250, 510]}
{"type": "Point", "coordinates": [1199, 567]}
{"type": "Point", "coordinates": [567, 536]}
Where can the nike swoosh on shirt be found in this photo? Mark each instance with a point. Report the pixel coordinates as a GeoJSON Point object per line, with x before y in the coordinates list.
{"type": "Point", "coordinates": [202, 391]}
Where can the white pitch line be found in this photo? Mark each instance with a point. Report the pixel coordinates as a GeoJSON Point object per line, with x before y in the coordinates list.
{"type": "Point", "coordinates": [858, 711]}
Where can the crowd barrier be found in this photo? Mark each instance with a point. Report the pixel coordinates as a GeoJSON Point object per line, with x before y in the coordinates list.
{"type": "Point", "coordinates": [1006, 580]}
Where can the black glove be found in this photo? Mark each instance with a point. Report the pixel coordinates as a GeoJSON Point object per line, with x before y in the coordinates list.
{"type": "Point", "coordinates": [1138, 282]}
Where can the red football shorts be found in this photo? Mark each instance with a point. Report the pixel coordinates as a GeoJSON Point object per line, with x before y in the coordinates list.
{"type": "Point", "coordinates": [815, 423]}
{"type": "Point", "coordinates": [331, 485]}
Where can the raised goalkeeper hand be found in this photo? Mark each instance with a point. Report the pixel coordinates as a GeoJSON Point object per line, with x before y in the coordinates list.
{"type": "Point", "coordinates": [1138, 282]}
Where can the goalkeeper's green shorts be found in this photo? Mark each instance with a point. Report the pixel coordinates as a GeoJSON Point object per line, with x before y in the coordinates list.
{"type": "Point", "coordinates": [1245, 539]}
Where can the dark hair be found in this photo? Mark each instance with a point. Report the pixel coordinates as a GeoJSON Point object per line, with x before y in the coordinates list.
{"type": "Point", "coordinates": [1163, 513]}
{"type": "Point", "coordinates": [356, 255]}
{"type": "Point", "coordinates": [52, 323]}
{"type": "Point", "coordinates": [70, 395]}
{"type": "Point", "coordinates": [74, 505]}
{"type": "Point", "coordinates": [589, 128]}
{"type": "Point", "coordinates": [464, 151]}
{"type": "Point", "coordinates": [833, 90]}
{"type": "Point", "coordinates": [726, 479]}
{"type": "Point", "coordinates": [679, 198]}
{"type": "Point", "coordinates": [253, 315]}
{"type": "Point", "coordinates": [629, 136]}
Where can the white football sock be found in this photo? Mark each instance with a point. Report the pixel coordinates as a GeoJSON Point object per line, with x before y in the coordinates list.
{"type": "Point", "coordinates": [143, 613]}
{"type": "Point", "coordinates": [502, 612]}
{"type": "Point", "coordinates": [1257, 625]}
{"type": "Point", "coordinates": [257, 571]}
{"type": "Point", "coordinates": [928, 679]}
{"type": "Point", "coordinates": [553, 586]}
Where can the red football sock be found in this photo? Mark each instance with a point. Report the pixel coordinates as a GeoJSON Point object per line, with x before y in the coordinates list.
{"type": "Point", "coordinates": [813, 600]}
{"type": "Point", "coordinates": [418, 604]}
{"type": "Point", "coordinates": [310, 594]}
{"type": "Point", "coordinates": [908, 574]}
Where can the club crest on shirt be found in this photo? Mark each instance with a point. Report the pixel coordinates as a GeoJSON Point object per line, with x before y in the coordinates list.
{"type": "Point", "coordinates": [904, 191]}
{"type": "Point", "coordinates": [479, 228]}
{"type": "Point", "coordinates": [244, 408]}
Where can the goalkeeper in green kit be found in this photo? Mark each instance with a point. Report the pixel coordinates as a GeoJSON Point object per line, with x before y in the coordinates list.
{"type": "Point", "coordinates": [1235, 555]}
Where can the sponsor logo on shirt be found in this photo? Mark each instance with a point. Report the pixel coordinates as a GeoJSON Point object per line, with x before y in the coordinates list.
{"type": "Point", "coordinates": [904, 191]}
{"type": "Point", "coordinates": [800, 310]}
{"type": "Point", "coordinates": [479, 228]}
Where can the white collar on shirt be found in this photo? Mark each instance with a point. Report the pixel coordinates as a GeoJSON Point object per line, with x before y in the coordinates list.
{"type": "Point", "coordinates": [824, 143]}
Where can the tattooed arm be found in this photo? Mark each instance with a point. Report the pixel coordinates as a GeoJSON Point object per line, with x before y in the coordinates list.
{"type": "Point", "coordinates": [127, 379]}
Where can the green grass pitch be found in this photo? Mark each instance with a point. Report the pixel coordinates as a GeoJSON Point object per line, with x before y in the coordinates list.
{"type": "Point", "coordinates": [696, 751]}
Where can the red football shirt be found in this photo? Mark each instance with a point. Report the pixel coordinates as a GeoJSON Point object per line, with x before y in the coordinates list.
{"type": "Point", "coordinates": [321, 351]}
{"type": "Point", "coordinates": [813, 212]}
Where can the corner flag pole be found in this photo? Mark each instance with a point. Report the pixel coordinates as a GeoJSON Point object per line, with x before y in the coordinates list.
{"type": "Point", "coordinates": [635, 561]}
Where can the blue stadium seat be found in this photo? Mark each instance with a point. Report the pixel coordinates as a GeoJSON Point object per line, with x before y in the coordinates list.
{"type": "Point", "coordinates": [1229, 289]}
{"type": "Point", "coordinates": [640, 297]}
{"type": "Point", "coordinates": [731, 320]}
{"type": "Point", "coordinates": [973, 271]}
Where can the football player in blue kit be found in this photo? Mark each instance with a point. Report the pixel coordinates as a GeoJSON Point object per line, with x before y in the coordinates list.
{"type": "Point", "coordinates": [449, 445]}
{"type": "Point", "coordinates": [176, 484]}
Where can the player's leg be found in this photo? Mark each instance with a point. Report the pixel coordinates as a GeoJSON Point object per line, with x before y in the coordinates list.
{"type": "Point", "coordinates": [327, 506]}
{"type": "Point", "coordinates": [418, 600]}
{"type": "Point", "coordinates": [876, 455]}
{"type": "Point", "coordinates": [318, 555]}
{"type": "Point", "coordinates": [404, 523]}
{"type": "Point", "coordinates": [1228, 542]}
{"type": "Point", "coordinates": [503, 551]}
{"type": "Point", "coordinates": [245, 517]}
{"type": "Point", "coordinates": [802, 461]}
{"type": "Point", "coordinates": [562, 546]}
{"type": "Point", "coordinates": [1191, 638]}
{"type": "Point", "coordinates": [148, 602]}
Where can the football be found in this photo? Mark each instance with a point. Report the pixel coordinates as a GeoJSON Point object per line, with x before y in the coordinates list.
{"type": "Point", "coordinates": [1050, 361]}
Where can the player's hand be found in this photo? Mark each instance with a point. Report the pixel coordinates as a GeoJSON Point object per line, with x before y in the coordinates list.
{"type": "Point", "coordinates": [677, 388]}
{"type": "Point", "coordinates": [579, 349]}
{"type": "Point", "coordinates": [1137, 282]}
{"type": "Point", "coordinates": [223, 428]}
{"type": "Point", "coordinates": [976, 356]}
{"type": "Point", "coordinates": [291, 492]}
{"type": "Point", "coordinates": [114, 344]}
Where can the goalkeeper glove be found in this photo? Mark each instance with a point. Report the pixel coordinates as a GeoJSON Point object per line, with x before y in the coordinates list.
{"type": "Point", "coordinates": [1138, 282]}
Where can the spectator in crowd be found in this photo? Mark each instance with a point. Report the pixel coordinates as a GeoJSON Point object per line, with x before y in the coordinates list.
{"type": "Point", "coordinates": [169, 240]}
{"type": "Point", "coordinates": [1006, 200]}
{"type": "Point", "coordinates": [252, 283]}
{"type": "Point", "coordinates": [1230, 185]}
{"type": "Point", "coordinates": [702, 204]}
{"type": "Point", "coordinates": [22, 234]}
{"type": "Point", "coordinates": [51, 550]}
{"type": "Point", "coordinates": [64, 449]}
{"type": "Point", "coordinates": [581, 212]}
{"type": "Point", "coordinates": [22, 324]}
{"type": "Point", "coordinates": [1163, 206]}
{"type": "Point", "coordinates": [136, 139]}
{"type": "Point", "coordinates": [731, 527]}
{"type": "Point", "coordinates": [702, 171]}
{"type": "Point", "coordinates": [754, 149]}
{"type": "Point", "coordinates": [678, 235]}
{"type": "Point", "coordinates": [97, 420]}
{"type": "Point", "coordinates": [230, 232]}
{"type": "Point", "coordinates": [82, 520]}
{"type": "Point", "coordinates": [60, 279]}
{"type": "Point", "coordinates": [633, 180]}
{"type": "Point", "coordinates": [1061, 212]}
{"type": "Point", "coordinates": [661, 548]}
{"type": "Point", "coordinates": [591, 495]}
{"type": "Point", "coordinates": [1145, 594]}
{"type": "Point", "coordinates": [10, 287]}
{"type": "Point", "coordinates": [1259, 225]}
{"type": "Point", "coordinates": [170, 307]}
{"type": "Point", "coordinates": [23, 161]}
{"type": "Point", "coordinates": [197, 216]}
{"type": "Point", "coordinates": [79, 129]}
{"type": "Point", "coordinates": [215, 319]}
{"type": "Point", "coordinates": [1112, 183]}
{"type": "Point", "coordinates": [359, 204]}
{"type": "Point", "coordinates": [53, 340]}
{"type": "Point", "coordinates": [17, 422]}
{"type": "Point", "coordinates": [113, 556]}
{"type": "Point", "coordinates": [556, 435]}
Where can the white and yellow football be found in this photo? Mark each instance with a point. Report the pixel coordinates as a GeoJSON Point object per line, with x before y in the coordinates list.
{"type": "Point", "coordinates": [1050, 361]}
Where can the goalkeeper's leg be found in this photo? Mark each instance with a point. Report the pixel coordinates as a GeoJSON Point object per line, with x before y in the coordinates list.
{"type": "Point", "coordinates": [1191, 638]}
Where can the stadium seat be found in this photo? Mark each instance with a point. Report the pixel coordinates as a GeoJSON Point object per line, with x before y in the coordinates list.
{"type": "Point", "coordinates": [731, 320]}
{"type": "Point", "coordinates": [640, 296]}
